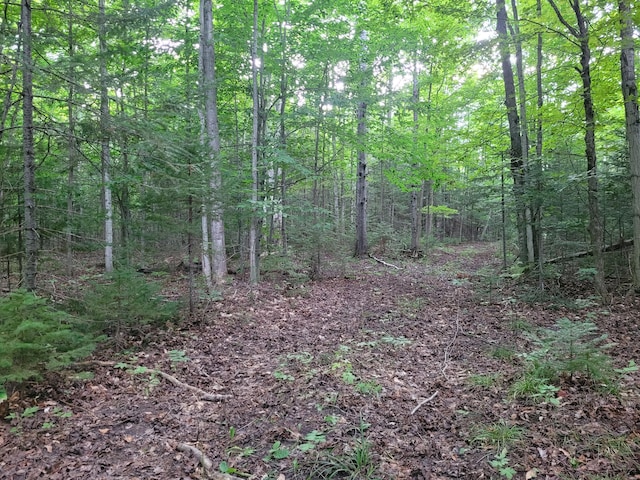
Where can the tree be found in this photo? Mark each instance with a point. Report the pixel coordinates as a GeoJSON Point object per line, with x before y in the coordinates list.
{"type": "Point", "coordinates": [524, 135]}
{"type": "Point", "coordinates": [361, 171]}
{"type": "Point", "coordinates": [105, 140]}
{"type": "Point", "coordinates": [30, 225]}
{"type": "Point", "coordinates": [632, 124]}
{"type": "Point", "coordinates": [581, 36]}
{"type": "Point", "coordinates": [211, 145]}
{"type": "Point", "coordinates": [254, 234]}
{"type": "Point", "coordinates": [516, 150]}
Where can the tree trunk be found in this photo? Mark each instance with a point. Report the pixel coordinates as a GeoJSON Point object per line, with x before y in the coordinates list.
{"type": "Point", "coordinates": [630, 95]}
{"type": "Point", "coordinates": [254, 267]}
{"type": "Point", "coordinates": [361, 172]}
{"type": "Point", "coordinates": [71, 144]}
{"type": "Point", "coordinates": [537, 204]}
{"type": "Point", "coordinates": [105, 151]}
{"type": "Point", "coordinates": [595, 222]}
{"type": "Point", "coordinates": [515, 151]}
{"type": "Point", "coordinates": [212, 141]}
{"type": "Point", "coordinates": [416, 193]}
{"type": "Point", "coordinates": [30, 225]}
{"type": "Point", "coordinates": [524, 134]}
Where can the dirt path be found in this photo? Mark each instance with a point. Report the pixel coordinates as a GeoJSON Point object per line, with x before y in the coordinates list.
{"type": "Point", "coordinates": [379, 373]}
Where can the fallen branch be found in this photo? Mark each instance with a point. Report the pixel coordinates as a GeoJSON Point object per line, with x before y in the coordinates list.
{"type": "Point", "coordinates": [203, 395]}
{"type": "Point", "coordinates": [385, 263]}
{"type": "Point", "coordinates": [211, 397]}
{"type": "Point", "coordinates": [206, 462]}
{"type": "Point", "coordinates": [424, 401]}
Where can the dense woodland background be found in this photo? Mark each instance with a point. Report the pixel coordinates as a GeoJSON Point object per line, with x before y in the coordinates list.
{"type": "Point", "coordinates": [283, 126]}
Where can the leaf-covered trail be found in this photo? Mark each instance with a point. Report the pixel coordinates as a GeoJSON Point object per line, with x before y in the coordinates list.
{"type": "Point", "coordinates": [379, 361]}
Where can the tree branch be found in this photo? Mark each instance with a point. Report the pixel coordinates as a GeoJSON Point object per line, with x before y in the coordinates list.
{"type": "Point", "coordinates": [571, 29]}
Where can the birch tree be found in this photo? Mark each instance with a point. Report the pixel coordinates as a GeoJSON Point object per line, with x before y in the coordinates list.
{"type": "Point", "coordinates": [105, 139]}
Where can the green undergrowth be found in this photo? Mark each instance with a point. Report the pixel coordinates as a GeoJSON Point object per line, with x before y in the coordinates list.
{"type": "Point", "coordinates": [126, 303]}
{"type": "Point", "coordinates": [35, 338]}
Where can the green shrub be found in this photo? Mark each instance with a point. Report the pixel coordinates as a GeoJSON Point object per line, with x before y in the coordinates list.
{"type": "Point", "coordinates": [127, 302]}
{"type": "Point", "coordinates": [34, 338]}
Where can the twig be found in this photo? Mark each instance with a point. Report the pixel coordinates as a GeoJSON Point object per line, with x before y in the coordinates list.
{"type": "Point", "coordinates": [445, 362]}
{"type": "Point", "coordinates": [424, 401]}
{"type": "Point", "coordinates": [385, 263]}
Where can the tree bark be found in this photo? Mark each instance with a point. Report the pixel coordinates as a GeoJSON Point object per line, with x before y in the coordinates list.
{"type": "Point", "coordinates": [30, 225]}
{"type": "Point", "coordinates": [632, 116]}
{"type": "Point", "coordinates": [105, 131]}
{"type": "Point", "coordinates": [212, 142]}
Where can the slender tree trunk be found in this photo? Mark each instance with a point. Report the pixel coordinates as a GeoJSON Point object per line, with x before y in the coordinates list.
{"type": "Point", "coordinates": [71, 143]}
{"type": "Point", "coordinates": [30, 225]}
{"type": "Point", "coordinates": [212, 140]}
{"type": "Point", "coordinates": [361, 172]}
{"type": "Point", "coordinates": [315, 234]}
{"type": "Point", "coordinates": [416, 194]}
{"type": "Point", "coordinates": [630, 95]}
{"type": "Point", "coordinates": [516, 149]}
{"type": "Point", "coordinates": [537, 204]}
{"type": "Point", "coordinates": [524, 134]}
{"type": "Point", "coordinates": [105, 132]}
{"type": "Point", "coordinates": [254, 267]}
{"type": "Point", "coordinates": [282, 132]}
{"type": "Point", "coordinates": [581, 34]}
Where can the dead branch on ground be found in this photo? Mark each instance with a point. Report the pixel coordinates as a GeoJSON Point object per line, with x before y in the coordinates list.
{"type": "Point", "coordinates": [384, 263]}
{"type": "Point", "coordinates": [206, 462]}
{"type": "Point", "coordinates": [424, 401]}
{"type": "Point", "coordinates": [211, 397]}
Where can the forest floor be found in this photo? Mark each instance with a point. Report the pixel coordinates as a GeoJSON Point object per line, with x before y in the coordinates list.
{"type": "Point", "coordinates": [372, 372]}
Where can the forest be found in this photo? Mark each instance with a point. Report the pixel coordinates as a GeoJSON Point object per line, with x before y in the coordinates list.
{"type": "Point", "coordinates": [316, 239]}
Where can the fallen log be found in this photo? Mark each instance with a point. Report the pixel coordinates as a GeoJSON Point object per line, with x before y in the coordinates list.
{"type": "Point", "coordinates": [622, 245]}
